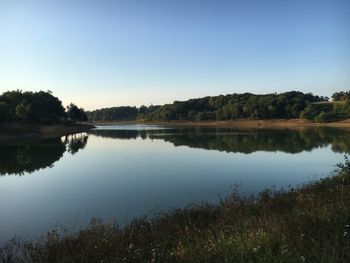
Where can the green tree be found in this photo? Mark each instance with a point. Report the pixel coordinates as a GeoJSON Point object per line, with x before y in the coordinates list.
{"type": "Point", "coordinates": [23, 111]}
{"type": "Point", "coordinates": [76, 114]}
{"type": "Point", "coordinates": [338, 95]}
{"type": "Point", "coordinates": [31, 106]}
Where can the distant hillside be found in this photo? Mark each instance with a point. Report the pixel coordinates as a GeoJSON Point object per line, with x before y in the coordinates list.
{"type": "Point", "coordinates": [288, 105]}
{"type": "Point", "coordinates": [236, 106]}
{"type": "Point", "coordinates": [123, 113]}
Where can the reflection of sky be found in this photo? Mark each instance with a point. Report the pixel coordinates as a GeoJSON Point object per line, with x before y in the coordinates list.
{"type": "Point", "coordinates": [127, 178]}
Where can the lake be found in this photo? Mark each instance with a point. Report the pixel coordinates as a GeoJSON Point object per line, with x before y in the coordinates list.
{"type": "Point", "coordinates": [126, 171]}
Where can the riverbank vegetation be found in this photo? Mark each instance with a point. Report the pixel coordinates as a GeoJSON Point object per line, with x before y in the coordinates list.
{"type": "Point", "coordinates": [306, 224]}
{"type": "Point", "coordinates": [288, 105]}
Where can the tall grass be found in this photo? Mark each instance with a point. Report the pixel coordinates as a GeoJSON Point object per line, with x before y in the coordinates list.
{"type": "Point", "coordinates": [307, 224]}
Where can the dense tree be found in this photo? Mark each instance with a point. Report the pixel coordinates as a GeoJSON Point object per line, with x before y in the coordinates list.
{"type": "Point", "coordinates": [237, 106]}
{"type": "Point", "coordinates": [41, 107]}
{"type": "Point", "coordinates": [326, 112]}
{"type": "Point", "coordinates": [23, 111]}
{"type": "Point", "coordinates": [44, 107]}
{"type": "Point", "coordinates": [120, 113]}
{"type": "Point", "coordinates": [31, 106]}
{"type": "Point", "coordinates": [341, 95]}
{"type": "Point", "coordinates": [76, 114]}
{"type": "Point", "coordinates": [223, 107]}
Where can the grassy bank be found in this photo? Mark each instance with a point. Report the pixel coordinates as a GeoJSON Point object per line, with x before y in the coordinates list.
{"type": "Point", "coordinates": [305, 224]}
{"type": "Point", "coordinates": [16, 132]}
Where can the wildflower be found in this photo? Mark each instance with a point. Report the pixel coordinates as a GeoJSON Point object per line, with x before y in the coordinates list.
{"type": "Point", "coordinates": [302, 258]}
{"type": "Point", "coordinates": [347, 226]}
{"type": "Point", "coordinates": [255, 249]}
{"type": "Point", "coordinates": [345, 234]}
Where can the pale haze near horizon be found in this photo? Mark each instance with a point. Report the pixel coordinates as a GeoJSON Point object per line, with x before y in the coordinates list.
{"type": "Point", "coordinates": [112, 53]}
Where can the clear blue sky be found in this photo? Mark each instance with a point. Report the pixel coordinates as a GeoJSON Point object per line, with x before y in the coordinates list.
{"type": "Point", "coordinates": [109, 53]}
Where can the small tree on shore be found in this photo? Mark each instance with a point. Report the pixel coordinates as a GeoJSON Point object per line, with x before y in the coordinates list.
{"type": "Point", "coordinates": [76, 114]}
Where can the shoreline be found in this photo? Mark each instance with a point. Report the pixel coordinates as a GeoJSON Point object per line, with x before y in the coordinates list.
{"type": "Point", "coordinates": [19, 133]}
{"type": "Point", "coordinates": [243, 123]}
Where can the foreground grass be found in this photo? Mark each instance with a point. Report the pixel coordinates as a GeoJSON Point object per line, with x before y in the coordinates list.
{"type": "Point", "coordinates": [308, 224]}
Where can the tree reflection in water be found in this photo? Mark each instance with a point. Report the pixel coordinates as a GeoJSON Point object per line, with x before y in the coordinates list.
{"type": "Point", "coordinates": [33, 156]}
{"type": "Point", "coordinates": [75, 142]}
{"type": "Point", "coordinates": [30, 157]}
{"type": "Point", "coordinates": [242, 140]}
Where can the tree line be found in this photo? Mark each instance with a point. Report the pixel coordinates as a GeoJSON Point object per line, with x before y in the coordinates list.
{"type": "Point", "coordinates": [237, 106]}
{"type": "Point", "coordinates": [287, 105]}
{"type": "Point", "coordinates": [40, 107]}
{"type": "Point", "coordinates": [45, 108]}
{"type": "Point", "coordinates": [123, 113]}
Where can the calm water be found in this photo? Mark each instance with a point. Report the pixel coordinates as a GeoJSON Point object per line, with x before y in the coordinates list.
{"type": "Point", "coordinates": [132, 170]}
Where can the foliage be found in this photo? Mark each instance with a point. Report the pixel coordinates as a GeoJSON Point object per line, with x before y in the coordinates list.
{"type": "Point", "coordinates": [115, 113]}
{"type": "Point", "coordinates": [40, 107]}
{"type": "Point", "coordinates": [233, 106]}
{"type": "Point", "coordinates": [286, 105]}
{"type": "Point", "coordinates": [44, 107]}
{"type": "Point", "coordinates": [344, 167]}
{"type": "Point", "coordinates": [327, 111]}
{"type": "Point", "coordinates": [76, 114]}
{"type": "Point", "coordinates": [236, 106]}
{"type": "Point", "coordinates": [308, 224]}
{"type": "Point", "coordinates": [341, 95]}
{"type": "Point", "coordinates": [32, 106]}
{"type": "Point", "coordinates": [123, 113]}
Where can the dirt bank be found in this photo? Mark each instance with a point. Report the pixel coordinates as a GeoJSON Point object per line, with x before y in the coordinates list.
{"type": "Point", "coordinates": [265, 124]}
{"type": "Point", "coordinates": [12, 133]}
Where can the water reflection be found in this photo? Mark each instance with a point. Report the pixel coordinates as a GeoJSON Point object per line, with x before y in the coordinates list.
{"type": "Point", "coordinates": [75, 142]}
{"type": "Point", "coordinates": [127, 172]}
{"type": "Point", "coordinates": [31, 157]}
{"type": "Point", "coordinates": [242, 141]}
